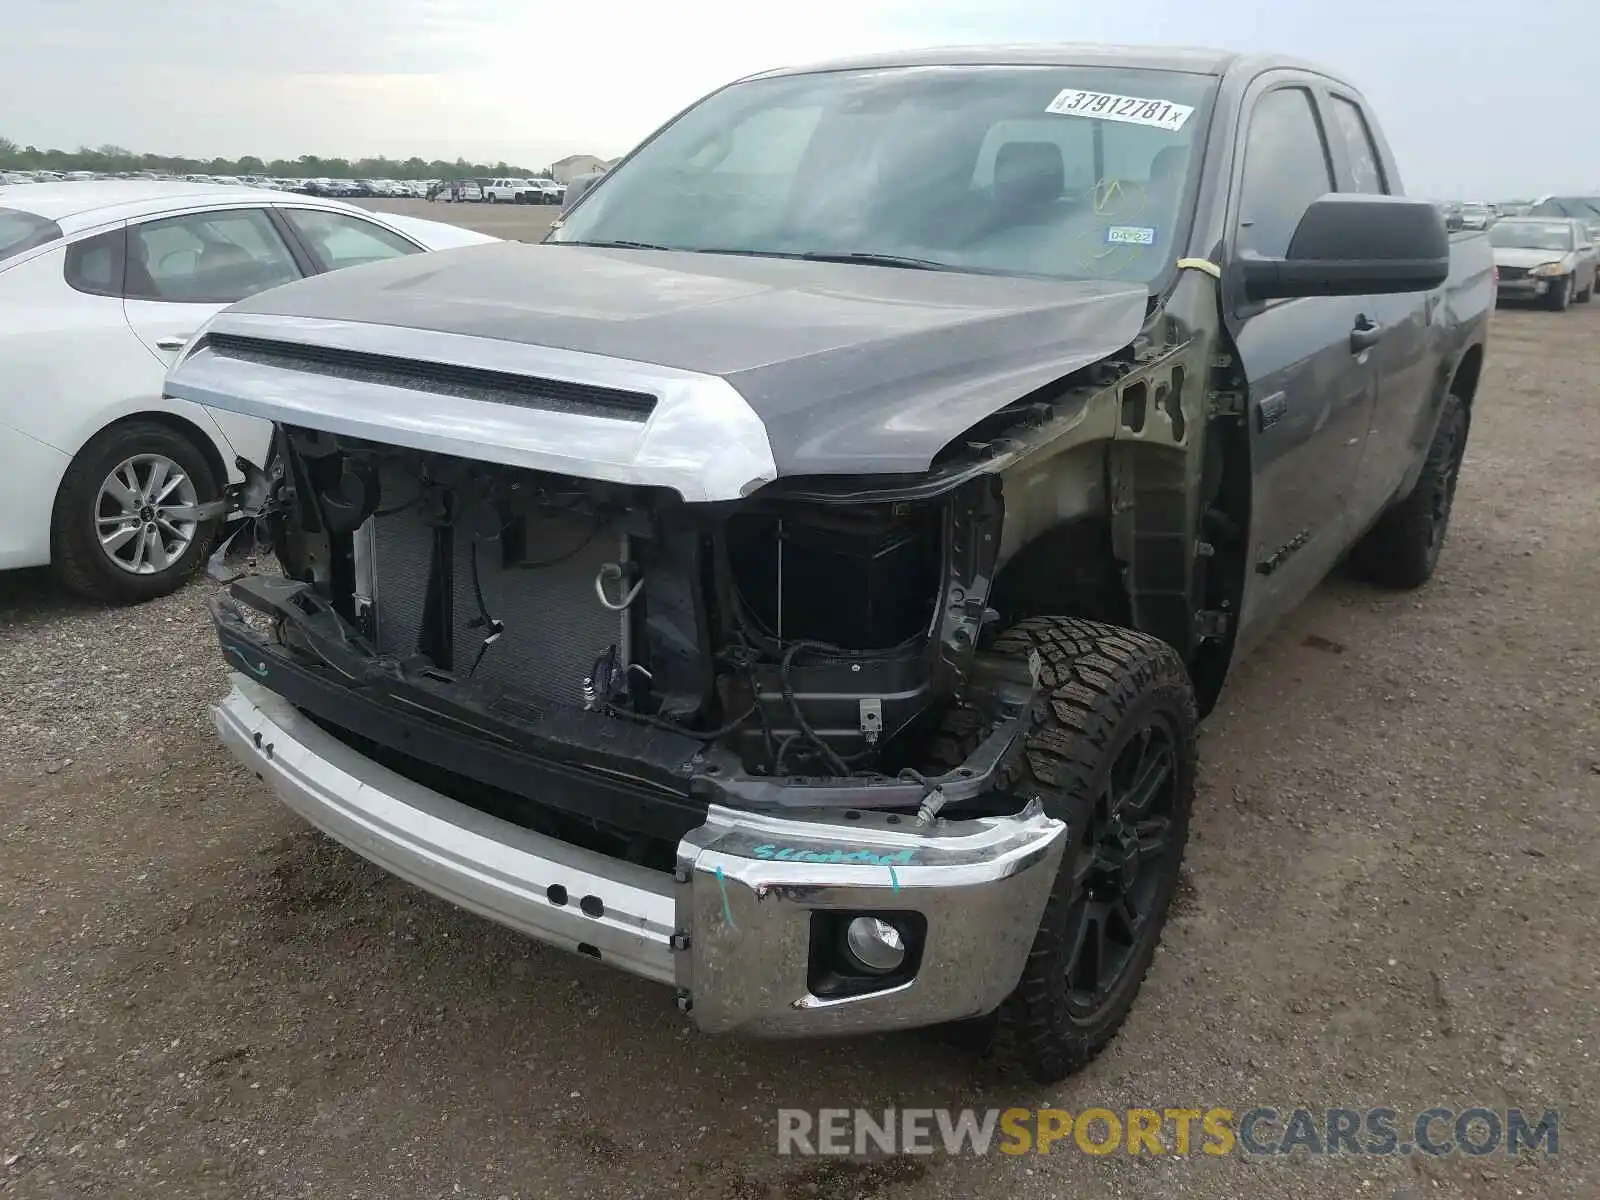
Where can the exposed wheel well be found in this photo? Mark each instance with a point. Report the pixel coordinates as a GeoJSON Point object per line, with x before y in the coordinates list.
{"type": "Point", "coordinates": [185, 429]}
{"type": "Point", "coordinates": [1067, 571]}
{"type": "Point", "coordinates": [1465, 381]}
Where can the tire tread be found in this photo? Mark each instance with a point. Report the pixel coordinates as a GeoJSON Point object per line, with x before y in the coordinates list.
{"type": "Point", "coordinates": [1395, 551]}
{"type": "Point", "coordinates": [1094, 675]}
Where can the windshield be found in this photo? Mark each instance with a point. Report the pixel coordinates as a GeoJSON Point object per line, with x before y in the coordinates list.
{"type": "Point", "coordinates": [1069, 172]}
{"type": "Point", "coordinates": [1532, 235]}
{"type": "Point", "coordinates": [21, 231]}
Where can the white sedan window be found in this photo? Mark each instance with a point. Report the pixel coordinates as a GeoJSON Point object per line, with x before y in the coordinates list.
{"type": "Point", "coordinates": [336, 240]}
{"type": "Point", "coordinates": [213, 257]}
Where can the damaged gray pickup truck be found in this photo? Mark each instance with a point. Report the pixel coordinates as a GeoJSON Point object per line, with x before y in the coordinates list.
{"type": "Point", "coordinates": [798, 579]}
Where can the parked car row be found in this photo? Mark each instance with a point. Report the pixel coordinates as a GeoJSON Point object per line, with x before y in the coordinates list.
{"type": "Point", "coordinates": [1480, 214]}
{"type": "Point", "coordinates": [115, 486]}
{"type": "Point", "coordinates": [321, 186]}
{"type": "Point", "coordinates": [503, 190]}
{"type": "Point", "coordinates": [353, 188]}
{"type": "Point", "coordinates": [1546, 250]}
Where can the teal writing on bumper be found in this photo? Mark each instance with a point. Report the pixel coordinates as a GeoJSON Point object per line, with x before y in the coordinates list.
{"type": "Point", "coordinates": [801, 854]}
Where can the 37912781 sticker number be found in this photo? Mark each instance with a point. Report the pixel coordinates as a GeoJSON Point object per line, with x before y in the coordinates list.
{"type": "Point", "coordinates": [1130, 110]}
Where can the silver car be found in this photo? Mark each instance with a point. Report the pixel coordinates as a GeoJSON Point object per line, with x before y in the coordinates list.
{"type": "Point", "coordinates": [1549, 259]}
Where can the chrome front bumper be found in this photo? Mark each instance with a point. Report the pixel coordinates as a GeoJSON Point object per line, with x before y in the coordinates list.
{"type": "Point", "coordinates": [731, 928]}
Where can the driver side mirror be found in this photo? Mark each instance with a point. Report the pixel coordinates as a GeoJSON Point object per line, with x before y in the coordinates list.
{"type": "Point", "coordinates": [1356, 244]}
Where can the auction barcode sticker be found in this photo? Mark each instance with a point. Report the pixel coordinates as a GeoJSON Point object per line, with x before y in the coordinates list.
{"type": "Point", "coordinates": [1131, 110]}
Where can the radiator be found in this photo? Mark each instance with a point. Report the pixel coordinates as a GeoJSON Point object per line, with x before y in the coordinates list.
{"type": "Point", "coordinates": [554, 624]}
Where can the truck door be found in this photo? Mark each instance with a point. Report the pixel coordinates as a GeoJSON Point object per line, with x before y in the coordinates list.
{"type": "Point", "coordinates": [1405, 358]}
{"type": "Point", "coordinates": [1307, 361]}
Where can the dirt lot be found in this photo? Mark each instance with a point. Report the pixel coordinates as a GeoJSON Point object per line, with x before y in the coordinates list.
{"type": "Point", "coordinates": [526, 221]}
{"type": "Point", "coordinates": [1392, 901]}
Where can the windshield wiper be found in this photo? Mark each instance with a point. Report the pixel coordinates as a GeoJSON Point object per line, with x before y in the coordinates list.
{"type": "Point", "coordinates": [618, 245]}
{"type": "Point", "coordinates": [871, 258]}
{"type": "Point", "coordinates": [867, 257]}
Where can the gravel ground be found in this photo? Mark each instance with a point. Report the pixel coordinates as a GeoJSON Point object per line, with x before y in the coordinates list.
{"type": "Point", "coordinates": [1391, 901]}
{"type": "Point", "coordinates": [529, 222]}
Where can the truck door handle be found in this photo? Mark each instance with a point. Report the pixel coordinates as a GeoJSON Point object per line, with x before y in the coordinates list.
{"type": "Point", "coordinates": [1365, 335]}
{"type": "Point", "coordinates": [171, 343]}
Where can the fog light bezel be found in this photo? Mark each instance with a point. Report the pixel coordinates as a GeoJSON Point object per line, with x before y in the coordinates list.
{"type": "Point", "coordinates": [833, 970]}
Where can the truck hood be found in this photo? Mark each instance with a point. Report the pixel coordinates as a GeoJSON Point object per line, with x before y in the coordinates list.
{"type": "Point", "coordinates": [1520, 256]}
{"type": "Point", "coordinates": [848, 368]}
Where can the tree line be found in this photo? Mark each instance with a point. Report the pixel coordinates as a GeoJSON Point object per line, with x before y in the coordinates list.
{"type": "Point", "coordinates": [15, 157]}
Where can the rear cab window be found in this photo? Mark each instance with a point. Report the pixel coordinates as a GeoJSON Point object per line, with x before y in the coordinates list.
{"type": "Point", "coordinates": [1361, 152]}
{"type": "Point", "coordinates": [21, 231]}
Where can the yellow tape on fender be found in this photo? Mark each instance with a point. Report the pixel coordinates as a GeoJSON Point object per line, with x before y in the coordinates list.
{"type": "Point", "coordinates": [1204, 265]}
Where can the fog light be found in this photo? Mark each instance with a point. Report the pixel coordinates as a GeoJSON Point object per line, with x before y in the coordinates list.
{"type": "Point", "coordinates": [875, 945]}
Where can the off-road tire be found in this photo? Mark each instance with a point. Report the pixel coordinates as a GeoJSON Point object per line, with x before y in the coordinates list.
{"type": "Point", "coordinates": [76, 559]}
{"type": "Point", "coordinates": [1101, 687]}
{"type": "Point", "coordinates": [1402, 549]}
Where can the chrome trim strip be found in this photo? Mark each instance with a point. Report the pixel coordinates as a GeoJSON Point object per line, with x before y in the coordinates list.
{"type": "Point", "coordinates": [703, 440]}
{"type": "Point", "coordinates": [491, 867]}
{"type": "Point", "coordinates": [364, 556]}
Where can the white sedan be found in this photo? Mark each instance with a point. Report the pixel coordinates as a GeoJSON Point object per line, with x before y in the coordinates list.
{"type": "Point", "coordinates": [107, 481]}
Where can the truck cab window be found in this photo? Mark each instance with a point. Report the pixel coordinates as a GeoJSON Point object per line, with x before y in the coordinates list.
{"type": "Point", "coordinates": [1285, 168]}
{"type": "Point", "coordinates": [1366, 171]}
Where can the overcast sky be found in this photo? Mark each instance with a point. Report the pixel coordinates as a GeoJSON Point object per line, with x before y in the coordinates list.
{"type": "Point", "coordinates": [1491, 98]}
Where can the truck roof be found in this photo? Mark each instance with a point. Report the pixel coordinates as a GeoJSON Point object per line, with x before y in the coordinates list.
{"type": "Point", "coordinates": [1199, 60]}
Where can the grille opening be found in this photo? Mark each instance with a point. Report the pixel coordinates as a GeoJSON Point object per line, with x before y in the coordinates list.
{"type": "Point", "coordinates": [445, 379]}
{"type": "Point", "coordinates": [535, 574]}
{"type": "Point", "coordinates": [658, 854]}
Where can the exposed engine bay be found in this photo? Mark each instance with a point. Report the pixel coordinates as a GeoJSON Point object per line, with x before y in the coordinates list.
{"type": "Point", "coordinates": [799, 648]}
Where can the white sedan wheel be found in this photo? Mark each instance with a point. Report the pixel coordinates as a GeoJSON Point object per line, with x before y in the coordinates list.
{"type": "Point", "coordinates": [141, 514]}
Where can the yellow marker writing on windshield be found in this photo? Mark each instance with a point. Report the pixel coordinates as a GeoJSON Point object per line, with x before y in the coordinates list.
{"type": "Point", "coordinates": [1113, 198]}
